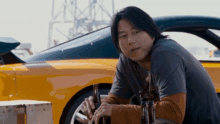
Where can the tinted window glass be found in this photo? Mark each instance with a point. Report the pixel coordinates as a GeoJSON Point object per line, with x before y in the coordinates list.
{"type": "Point", "coordinates": [95, 45]}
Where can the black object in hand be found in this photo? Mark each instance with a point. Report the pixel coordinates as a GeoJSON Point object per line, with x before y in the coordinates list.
{"type": "Point", "coordinates": [96, 96]}
{"type": "Point", "coordinates": [97, 101]}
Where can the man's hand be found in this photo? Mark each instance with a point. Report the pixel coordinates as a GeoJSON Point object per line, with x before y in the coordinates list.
{"type": "Point", "coordinates": [87, 107]}
{"type": "Point", "coordinates": [104, 110]}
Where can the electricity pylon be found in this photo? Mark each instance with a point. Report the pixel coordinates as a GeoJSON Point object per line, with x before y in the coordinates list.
{"type": "Point", "coordinates": [77, 17]}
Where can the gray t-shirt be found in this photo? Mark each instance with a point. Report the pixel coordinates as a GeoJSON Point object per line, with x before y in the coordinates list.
{"type": "Point", "coordinates": [174, 70]}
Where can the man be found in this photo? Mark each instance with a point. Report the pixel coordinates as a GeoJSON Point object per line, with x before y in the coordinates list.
{"type": "Point", "coordinates": [185, 91]}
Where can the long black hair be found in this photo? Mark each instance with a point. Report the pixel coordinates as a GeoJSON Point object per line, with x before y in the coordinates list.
{"type": "Point", "coordinates": [139, 19]}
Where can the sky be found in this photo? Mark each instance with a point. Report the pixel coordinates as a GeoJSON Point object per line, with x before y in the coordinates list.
{"type": "Point", "coordinates": [28, 20]}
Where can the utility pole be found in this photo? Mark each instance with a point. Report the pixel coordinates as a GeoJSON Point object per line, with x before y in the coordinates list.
{"type": "Point", "coordinates": [78, 17]}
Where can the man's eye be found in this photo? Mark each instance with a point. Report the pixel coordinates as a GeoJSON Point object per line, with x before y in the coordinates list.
{"type": "Point", "coordinates": [136, 32]}
{"type": "Point", "coordinates": [123, 36]}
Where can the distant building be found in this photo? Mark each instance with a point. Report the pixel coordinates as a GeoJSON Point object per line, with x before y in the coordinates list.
{"type": "Point", "coordinates": [198, 50]}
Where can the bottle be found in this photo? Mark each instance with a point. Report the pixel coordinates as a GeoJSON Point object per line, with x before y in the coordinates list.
{"type": "Point", "coordinates": [96, 96]}
{"type": "Point", "coordinates": [150, 102]}
{"type": "Point", "coordinates": [97, 101]}
{"type": "Point", "coordinates": [144, 110]}
{"type": "Point", "coordinates": [151, 112]}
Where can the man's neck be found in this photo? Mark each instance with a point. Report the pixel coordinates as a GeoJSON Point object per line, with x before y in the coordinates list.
{"type": "Point", "coordinates": [145, 62]}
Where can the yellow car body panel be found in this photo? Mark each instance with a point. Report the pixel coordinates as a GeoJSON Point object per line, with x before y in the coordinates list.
{"type": "Point", "coordinates": [7, 83]}
{"type": "Point", "coordinates": [213, 68]}
{"type": "Point", "coordinates": [58, 81]}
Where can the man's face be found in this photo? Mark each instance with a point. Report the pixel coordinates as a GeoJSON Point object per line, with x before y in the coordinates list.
{"type": "Point", "coordinates": [134, 44]}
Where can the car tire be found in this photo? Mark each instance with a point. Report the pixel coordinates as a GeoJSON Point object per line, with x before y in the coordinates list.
{"type": "Point", "coordinates": [78, 101]}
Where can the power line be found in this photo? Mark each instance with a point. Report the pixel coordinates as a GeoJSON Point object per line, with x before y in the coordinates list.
{"type": "Point", "coordinates": [79, 17]}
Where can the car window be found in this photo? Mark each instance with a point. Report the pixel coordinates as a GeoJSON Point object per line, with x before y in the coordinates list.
{"type": "Point", "coordinates": [94, 45]}
{"type": "Point", "coordinates": [87, 39]}
{"type": "Point", "coordinates": [197, 46]}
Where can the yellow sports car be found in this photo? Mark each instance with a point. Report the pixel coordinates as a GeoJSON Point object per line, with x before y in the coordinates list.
{"type": "Point", "coordinates": [64, 74]}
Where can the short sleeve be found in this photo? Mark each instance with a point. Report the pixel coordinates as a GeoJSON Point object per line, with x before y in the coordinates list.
{"type": "Point", "coordinates": [120, 86]}
{"type": "Point", "coordinates": [168, 73]}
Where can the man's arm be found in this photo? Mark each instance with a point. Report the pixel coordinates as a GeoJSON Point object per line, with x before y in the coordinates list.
{"type": "Point", "coordinates": [168, 73]}
{"type": "Point", "coordinates": [112, 99]}
{"type": "Point", "coordinates": [171, 107]}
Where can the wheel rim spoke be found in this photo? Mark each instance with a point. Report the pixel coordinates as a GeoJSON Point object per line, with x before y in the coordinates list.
{"type": "Point", "coordinates": [78, 116]}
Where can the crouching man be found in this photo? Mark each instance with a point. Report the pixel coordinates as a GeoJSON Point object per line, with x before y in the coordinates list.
{"type": "Point", "coordinates": [185, 92]}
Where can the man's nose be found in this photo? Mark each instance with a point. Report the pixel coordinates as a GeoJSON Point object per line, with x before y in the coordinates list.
{"type": "Point", "coordinates": [131, 40]}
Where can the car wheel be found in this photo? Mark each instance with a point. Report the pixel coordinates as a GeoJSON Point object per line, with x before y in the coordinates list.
{"type": "Point", "coordinates": [74, 111]}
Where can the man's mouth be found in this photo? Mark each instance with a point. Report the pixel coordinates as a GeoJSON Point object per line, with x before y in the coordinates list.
{"type": "Point", "coordinates": [134, 49]}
